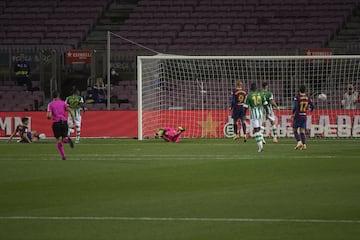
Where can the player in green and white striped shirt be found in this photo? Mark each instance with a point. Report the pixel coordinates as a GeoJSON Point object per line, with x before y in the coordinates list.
{"type": "Point", "coordinates": [270, 115]}
{"type": "Point", "coordinates": [256, 101]}
{"type": "Point", "coordinates": [76, 103]}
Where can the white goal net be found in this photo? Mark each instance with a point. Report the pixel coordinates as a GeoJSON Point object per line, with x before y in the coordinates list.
{"type": "Point", "coordinates": [195, 91]}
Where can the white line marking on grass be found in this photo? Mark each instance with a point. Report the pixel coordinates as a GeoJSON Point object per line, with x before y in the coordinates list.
{"type": "Point", "coordinates": [157, 156]}
{"type": "Point", "coordinates": [119, 157]}
{"type": "Point", "coordinates": [181, 219]}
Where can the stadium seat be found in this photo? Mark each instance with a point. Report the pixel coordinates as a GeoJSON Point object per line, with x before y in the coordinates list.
{"type": "Point", "coordinates": [42, 24]}
{"type": "Point", "coordinates": [231, 19]}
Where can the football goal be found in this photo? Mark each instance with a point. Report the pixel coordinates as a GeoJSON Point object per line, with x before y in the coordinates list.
{"type": "Point", "coordinates": [195, 91]}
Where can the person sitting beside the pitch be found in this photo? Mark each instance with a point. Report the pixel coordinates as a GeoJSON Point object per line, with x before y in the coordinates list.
{"type": "Point", "coordinates": [351, 98]}
{"type": "Point", "coordinates": [169, 134]}
{"type": "Point", "coordinates": [22, 130]}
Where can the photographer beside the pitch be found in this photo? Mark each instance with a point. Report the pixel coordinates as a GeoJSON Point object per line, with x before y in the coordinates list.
{"type": "Point", "coordinates": [351, 98]}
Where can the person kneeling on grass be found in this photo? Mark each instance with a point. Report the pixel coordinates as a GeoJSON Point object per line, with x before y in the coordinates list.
{"type": "Point", "coordinates": [22, 130]}
{"type": "Point", "coordinates": [169, 134]}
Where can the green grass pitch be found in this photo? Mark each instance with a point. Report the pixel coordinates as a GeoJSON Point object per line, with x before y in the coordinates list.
{"type": "Point", "coordinates": [198, 189]}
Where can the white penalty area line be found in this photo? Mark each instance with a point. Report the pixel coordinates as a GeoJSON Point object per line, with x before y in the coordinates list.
{"type": "Point", "coordinates": [181, 219]}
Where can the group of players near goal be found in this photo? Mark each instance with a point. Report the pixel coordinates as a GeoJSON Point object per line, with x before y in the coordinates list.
{"type": "Point", "coordinates": [261, 104]}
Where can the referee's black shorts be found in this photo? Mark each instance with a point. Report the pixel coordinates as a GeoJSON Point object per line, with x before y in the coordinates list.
{"type": "Point", "coordinates": [60, 129]}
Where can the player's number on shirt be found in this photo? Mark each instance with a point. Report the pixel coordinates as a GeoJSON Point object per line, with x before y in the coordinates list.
{"type": "Point", "coordinates": [303, 106]}
{"type": "Point", "coordinates": [241, 98]}
{"type": "Point", "coordinates": [257, 100]}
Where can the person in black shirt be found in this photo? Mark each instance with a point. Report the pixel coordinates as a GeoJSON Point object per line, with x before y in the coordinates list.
{"type": "Point", "coordinates": [22, 72]}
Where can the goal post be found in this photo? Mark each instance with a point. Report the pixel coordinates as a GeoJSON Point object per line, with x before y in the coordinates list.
{"type": "Point", "coordinates": [195, 91]}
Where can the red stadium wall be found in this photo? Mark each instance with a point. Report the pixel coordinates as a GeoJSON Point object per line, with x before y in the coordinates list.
{"type": "Point", "coordinates": [337, 123]}
{"type": "Point", "coordinates": [94, 123]}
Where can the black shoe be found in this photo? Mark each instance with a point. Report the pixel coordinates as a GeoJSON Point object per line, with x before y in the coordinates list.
{"type": "Point", "coordinates": [71, 143]}
{"type": "Point", "coordinates": [181, 129]}
{"type": "Point", "coordinates": [64, 158]}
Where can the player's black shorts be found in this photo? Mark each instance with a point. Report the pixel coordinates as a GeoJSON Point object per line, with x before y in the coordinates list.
{"type": "Point", "coordinates": [60, 129]}
{"type": "Point", "coordinates": [239, 113]}
{"type": "Point", "coordinates": [299, 122]}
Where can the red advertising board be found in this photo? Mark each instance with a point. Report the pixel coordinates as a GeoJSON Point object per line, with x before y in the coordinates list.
{"type": "Point", "coordinates": [210, 123]}
{"type": "Point", "coordinates": [318, 52]}
{"type": "Point", "coordinates": [218, 123]}
{"type": "Point", "coordinates": [94, 123]}
{"type": "Point", "coordinates": [77, 56]}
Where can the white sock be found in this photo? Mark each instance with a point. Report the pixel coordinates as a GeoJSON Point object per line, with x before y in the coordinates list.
{"type": "Point", "coordinates": [274, 130]}
{"type": "Point", "coordinates": [258, 138]}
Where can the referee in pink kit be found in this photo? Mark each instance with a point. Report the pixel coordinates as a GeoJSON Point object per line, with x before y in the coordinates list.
{"type": "Point", "coordinates": [56, 110]}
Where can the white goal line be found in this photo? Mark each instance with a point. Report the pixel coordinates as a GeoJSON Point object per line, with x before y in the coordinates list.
{"type": "Point", "coordinates": [181, 219]}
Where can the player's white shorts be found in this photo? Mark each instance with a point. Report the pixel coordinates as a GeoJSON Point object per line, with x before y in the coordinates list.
{"type": "Point", "coordinates": [256, 123]}
{"type": "Point", "coordinates": [77, 121]}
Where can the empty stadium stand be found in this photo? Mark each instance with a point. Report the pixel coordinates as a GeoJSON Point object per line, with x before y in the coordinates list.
{"type": "Point", "coordinates": [223, 27]}
{"type": "Point", "coordinates": [14, 98]}
{"type": "Point", "coordinates": [50, 23]}
{"type": "Point", "coordinates": [168, 25]}
{"type": "Point", "coordinates": [220, 25]}
{"type": "Point", "coordinates": [347, 40]}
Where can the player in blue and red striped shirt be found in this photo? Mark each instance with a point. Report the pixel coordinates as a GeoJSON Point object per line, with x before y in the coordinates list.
{"type": "Point", "coordinates": [302, 103]}
{"type": "Point", "coordinates": [238, 110]}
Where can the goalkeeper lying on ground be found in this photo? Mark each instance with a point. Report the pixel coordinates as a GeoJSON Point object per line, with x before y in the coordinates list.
{"type": "Point", "coordinates": [169, 134]}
